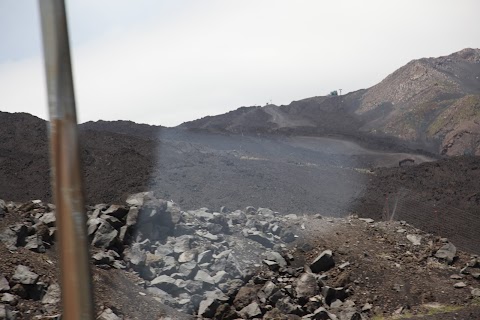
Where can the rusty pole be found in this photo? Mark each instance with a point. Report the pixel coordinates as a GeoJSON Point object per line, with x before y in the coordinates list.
{"type": "Point", "coordinates": [76, 283]}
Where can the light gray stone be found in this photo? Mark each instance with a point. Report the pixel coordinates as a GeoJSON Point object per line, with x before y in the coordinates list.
{"type": "Point", "coordinates": [52, 296]}
{"type": "Point", "coordinates": [447, 252]}
{"type": "Point", "coordinates": [306, 286]}
{"type": "Point", "coordinates": [259, 237]}
{"type": "Point", "coordinates": [34, 243]}
{"type": "Point", "coordinates": [188, 269]}
{"type": "Point", "coordinates": [165, 283]}
{"type": "Point", "coordinates": [48, 218]}
{"type": "Point", "coordinates": [204, 277]}
{"type": "Point", "coordinates": [104, 236]}
{"type": "Point", "coordinates": [415, 239]}
{"type": "Point", "coordinates": [164, 250]}
{"type": "Point", "coordinates": [23, 275]}
{"type": "Point", "coordinates": [267, 290]}
{"type": "Point", "coordinates": [135, 255]}
{"type": "Point", "coordinates": [9, 299]}
{"type": "Point", "coordinates": [132, 216]}
{"type": "Point", "coordinates": [138, 199]}
{"type": "Point", "coordinates": [4, 286]}
{"type": "Point", "coordinates": [251, 311]}
{"type": "Point", "coordinates": [207, 235]}
{"type": "Point", "coordinates": [187, 256]}
{"type": "Point", "coordinates": [102, 257]}
{"type": "Point", "coordinates": [220, 277]}
{"type": "Point", "coordinates": [93, 224]}
{"type": "Point", "coordinates": [182, 244]}
{"type": "Point", "coordinates": [277, 257]}
{"type": "Point", "coordinates": [233, 267]}
{"type": "Point", "coordinates": [208, 307]}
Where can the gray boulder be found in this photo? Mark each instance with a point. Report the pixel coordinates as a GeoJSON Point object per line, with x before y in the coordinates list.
{"type": "Point", "coordinates": [132, 216]}
{"type": "Point", "coordinates": [138, 199]}
{"type": "Point", "coordinates": [447, 252]}
{"type": "Point", "coordinates": [233, 267]}
{"type": "Point", "coordinates": [267, 290]}
{"type": "Point", "coordinates": [220, 277]}
{"type": "Point", "coordinates": [182, 244]}
{"type": "Point", "coordinates": [135, 255]}
{"type": "Point", "coordinates": [48, 218]}
{"type": "Point", "coordinates": [34, 243]}
{"type": "Point", "coordinates": [187, 256]}
{"type": "Point", "coordinates": [4, 286]}
{"type": "Point", "coordinates": [251, 311]}
{"type": "Point", "coordinates": [52, 296]}
{"type": "Point", "coordinates": [9, 298]}
{"type": "Point", "coordinates": [188, 269]}
{"type": "Point", "coordinates": [23, 275]}
{"type": "Point", "coordinates": [277, 257]}
{"type": "Point", "coordinates": [14, 236]}
{"type": "Point", "coordinates": [165, 283]}
{"type": "Point", "coordinates": [208, 307]}
{"type": "Point", "coordinates": [259, 237]}
{"type": "Point", "coordinates": [104, 236]}
{"type": "Point", "coordinates": [306, 286]}
{"type": "Point", "coordinates": [204, 277]}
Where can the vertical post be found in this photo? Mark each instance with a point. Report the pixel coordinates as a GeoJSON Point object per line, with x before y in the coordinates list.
{"type": "Point", "coordinates": [77, 297]}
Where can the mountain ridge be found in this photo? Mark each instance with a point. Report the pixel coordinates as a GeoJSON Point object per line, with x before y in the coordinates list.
{"type": "Point", "coordinates": [409, 104]}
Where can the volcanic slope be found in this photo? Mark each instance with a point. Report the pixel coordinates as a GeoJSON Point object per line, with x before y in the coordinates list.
{"type": "Point", "coordinates": [291, 174]}
{"type": "Point", "coordinates": [430, 103]}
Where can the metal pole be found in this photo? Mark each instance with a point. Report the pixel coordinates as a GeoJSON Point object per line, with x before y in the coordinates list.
{"type": "Point", "coordinates": [77, 295]}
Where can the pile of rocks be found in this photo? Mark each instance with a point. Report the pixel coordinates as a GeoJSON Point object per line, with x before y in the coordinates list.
{"type": "Point", "coordinates": [284, 292]}
{"type": "Point", "coordinates": [26, 284]}
{"type": "Point", "coordinates": [226, 265]}
{"type": "Point", "coordinates": [185, 258]}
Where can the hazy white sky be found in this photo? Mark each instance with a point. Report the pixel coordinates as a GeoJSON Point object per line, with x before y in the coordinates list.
{"type": "Point", "coordinates": [166, 62]}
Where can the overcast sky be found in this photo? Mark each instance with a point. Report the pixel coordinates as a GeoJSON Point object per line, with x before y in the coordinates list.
{"type": "Point", "coordinates": [166, 62]}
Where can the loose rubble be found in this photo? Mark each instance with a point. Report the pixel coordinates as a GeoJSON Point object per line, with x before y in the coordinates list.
{"type": "Point", "coordinates": [218, 265]}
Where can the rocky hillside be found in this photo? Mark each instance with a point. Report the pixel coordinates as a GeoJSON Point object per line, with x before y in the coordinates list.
{"type": "Point", "coordinates": [152, 260]}
{"type": "Point", "coordinates": [430, 103]}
